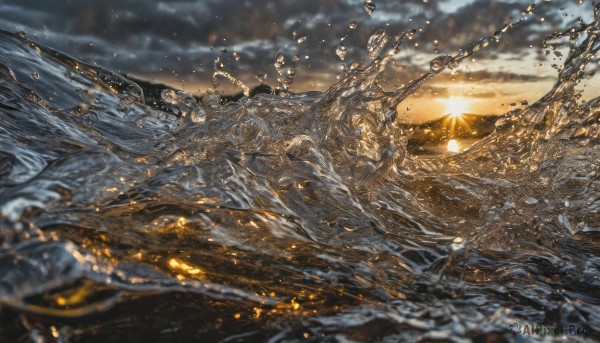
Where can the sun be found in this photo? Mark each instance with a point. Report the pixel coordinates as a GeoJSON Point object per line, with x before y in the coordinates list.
{"type": "Point", "coordinates": [456, 106]}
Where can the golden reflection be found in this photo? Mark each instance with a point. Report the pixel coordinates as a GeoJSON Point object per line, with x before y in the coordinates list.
{"type": "Point", "coordinates": [453, 146]}
{"type": "Point", "coordinates": [186, 268]}
{"type": "Point", "coordinates": [74, 297]}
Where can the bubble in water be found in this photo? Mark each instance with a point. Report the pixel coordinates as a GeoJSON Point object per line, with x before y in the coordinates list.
{"type": "Point", "coordinates": [352, 25]}
{"type": "Point", "coordinates": [370, 6]}
{"type": "Point", "coordinates": [184, 104]}
{"type": "Point", "coordinates": [301, 40]}
{"type": "Point", "coordinates": [198, 115]}
{"type": "Point", "coordinates": [341, 51]}
{"type": "Point", "coordinates": [89, 118]}
{"type": "Point", "coordinates": [170, 96]}
{"type": "Point", "coordinates": [436, 65]}
{"type": "Point", "coordinates": [141, 123]}
{"type": "Point", "coordinates": [35, 76]}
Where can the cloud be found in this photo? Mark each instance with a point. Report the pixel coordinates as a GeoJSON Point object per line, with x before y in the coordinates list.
{"type": "Point", "coordinates": [153, 38]}
{"type": "Point", "coordinates": [439, 91]}
{"type": "Point", "coordinates": [491, 77]}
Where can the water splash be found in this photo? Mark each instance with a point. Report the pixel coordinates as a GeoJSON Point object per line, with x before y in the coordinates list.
{"type": "Point", "coordinates": [219, 70]}
{"type": "Point", "coordinates": [289, 217]}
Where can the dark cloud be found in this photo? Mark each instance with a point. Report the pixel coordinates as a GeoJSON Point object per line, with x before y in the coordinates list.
{"type": "Point", "coordinates": [492, 77]}
{"type": "Point", "coordinates": [181, 38]}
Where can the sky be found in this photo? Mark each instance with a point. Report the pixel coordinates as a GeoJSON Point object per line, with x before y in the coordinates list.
{"type": "Point", "coordinates": [177, 42]}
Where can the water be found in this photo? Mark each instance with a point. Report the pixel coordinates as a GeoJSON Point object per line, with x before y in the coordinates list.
{"type": "Point", "coordinates": [290, 217]}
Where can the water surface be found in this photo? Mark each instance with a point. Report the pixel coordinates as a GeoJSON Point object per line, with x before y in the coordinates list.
{"type": "Point", "coordinates": [291, 216]}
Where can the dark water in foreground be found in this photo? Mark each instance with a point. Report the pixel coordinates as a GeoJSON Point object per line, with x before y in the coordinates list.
{"type": "Point", "coordinates": [289, 218]}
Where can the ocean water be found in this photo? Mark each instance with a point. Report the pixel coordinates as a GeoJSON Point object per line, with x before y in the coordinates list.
{"type": "Point", "coordinates": [292, 217]}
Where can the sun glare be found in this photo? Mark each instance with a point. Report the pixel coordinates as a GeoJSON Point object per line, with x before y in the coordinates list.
{"type": "Point", "coordinates": [455, 106]}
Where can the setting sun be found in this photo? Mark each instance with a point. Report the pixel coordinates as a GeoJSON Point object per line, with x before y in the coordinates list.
{"type": "Point", "coordinates": [455, 106]}
{"type": "Point", "coordinates": [456, 109]}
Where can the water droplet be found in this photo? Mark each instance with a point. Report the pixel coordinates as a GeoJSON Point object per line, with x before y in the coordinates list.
{"type": "Point", "coordinates": [285, 75]}
{"type": "Point", "coordinates": [301, 40]}
{"type": "Point", "coordinates": [524, 102]}
{"type": "Point", "coordinates": [341, 51]}
{"type": "Point", "coordinates": [370, 6]}
{"type": "Point", "coordinates": [352, 25]}
{"type": "Point", "coordinates": [35, 76]}
{"type": "Point", "coordinates": [440, 63]}
{"type": "Point", "coordinates": [436, 64]}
